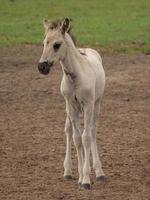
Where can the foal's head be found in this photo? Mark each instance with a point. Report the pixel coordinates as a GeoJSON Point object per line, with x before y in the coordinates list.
{"type": "Point", "coordinates": [54, 44]}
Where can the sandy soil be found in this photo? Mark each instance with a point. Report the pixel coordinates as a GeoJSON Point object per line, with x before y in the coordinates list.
{"type": "Point", "coordinates": [32, 141]}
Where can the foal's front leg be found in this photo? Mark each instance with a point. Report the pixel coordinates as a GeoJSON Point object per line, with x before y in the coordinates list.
{"type": "Point", "coordinates": [75, 120]}
{"type": "Point", "coordinates": [67, 161]}
{"type": "Point", "coordinates": [86, 140]}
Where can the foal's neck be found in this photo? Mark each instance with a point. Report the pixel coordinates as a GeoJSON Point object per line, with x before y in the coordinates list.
{"type": "Point", "coordinates": [70, 63]}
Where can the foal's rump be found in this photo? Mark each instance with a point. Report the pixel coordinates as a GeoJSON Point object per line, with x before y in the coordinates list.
{"type": "Point", "coordinates": [95, 61]}
{"type": "Point", "coordinates": [91, 54]}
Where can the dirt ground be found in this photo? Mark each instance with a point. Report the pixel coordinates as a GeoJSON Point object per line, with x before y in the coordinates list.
{"type": "Point", "coordinates": [32, 141]}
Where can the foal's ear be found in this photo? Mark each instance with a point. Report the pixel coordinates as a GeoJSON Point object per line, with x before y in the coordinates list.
{"type": "Point", "coordinates": [46, 24]}
{"type": "Point", "coordinates": [65, 25]}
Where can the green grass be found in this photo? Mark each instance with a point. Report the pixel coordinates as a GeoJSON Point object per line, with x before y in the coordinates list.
{"type": "Point", "coordinates": [120, 25]}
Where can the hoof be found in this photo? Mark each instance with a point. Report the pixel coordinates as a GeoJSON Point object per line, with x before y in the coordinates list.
{"type": "Point", "coordinates": [67, 177]}
{"type": "Point", "coordinates": [86, 186]}
{"type": "Point", "coordinates": [101, 178]}
{"type": "Point", "coordinates": [80, 185]}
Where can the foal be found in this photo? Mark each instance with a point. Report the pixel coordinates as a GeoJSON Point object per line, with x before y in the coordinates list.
{"type": "Point", "coordinates": [82, 86]}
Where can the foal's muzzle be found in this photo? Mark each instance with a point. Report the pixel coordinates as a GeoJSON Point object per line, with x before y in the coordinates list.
{"type": "Point", "coordinates": [44, 67]}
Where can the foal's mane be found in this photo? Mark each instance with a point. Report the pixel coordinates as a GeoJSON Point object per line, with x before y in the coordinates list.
{"type": "Point", "coordinates": [57, 23]}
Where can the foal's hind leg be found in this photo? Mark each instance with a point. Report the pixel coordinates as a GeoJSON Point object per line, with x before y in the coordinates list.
{"type": "Point", "coordinates": [100, 176]}
{"type": "Point", "coordinates": [67, 161]}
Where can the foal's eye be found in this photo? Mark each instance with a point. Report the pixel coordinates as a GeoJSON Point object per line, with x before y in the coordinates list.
{"type": "Point", "coordinates": [56, 46]}
{"type": "Point", "coordinates": [47, 42]}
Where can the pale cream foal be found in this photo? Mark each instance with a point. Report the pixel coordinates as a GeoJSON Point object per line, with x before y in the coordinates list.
{"type": "Point", "coordinates": [82, 87]}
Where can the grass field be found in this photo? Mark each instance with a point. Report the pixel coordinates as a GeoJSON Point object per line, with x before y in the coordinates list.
{"type": "Point", "coordinates": [115, 25]}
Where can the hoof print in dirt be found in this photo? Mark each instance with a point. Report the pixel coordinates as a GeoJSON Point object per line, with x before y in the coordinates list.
{"type": "Point", "coordinates": [101, 178]}
{"type": "Point", "coordinates": [67, 177]}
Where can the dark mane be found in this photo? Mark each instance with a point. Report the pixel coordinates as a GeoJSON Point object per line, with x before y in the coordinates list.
{"type": "Point", "coordinates": [57, 23]}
